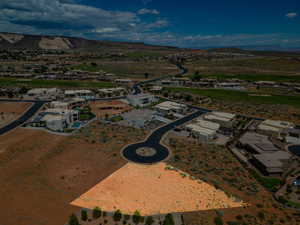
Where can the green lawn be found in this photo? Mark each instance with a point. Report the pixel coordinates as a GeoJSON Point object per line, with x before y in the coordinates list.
{"type": "Point", "coordinates": [254, 77]}
{"type": "Point", "coordinates": [241, 96]}
{"type": "Point", "coordinates": [52, 83]}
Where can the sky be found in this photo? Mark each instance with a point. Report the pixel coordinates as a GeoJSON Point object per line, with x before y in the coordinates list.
{"type": "Point", "coordinates": [182, 23]}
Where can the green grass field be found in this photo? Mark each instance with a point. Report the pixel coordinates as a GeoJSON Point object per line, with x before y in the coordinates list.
{"type": "Point", "coordinates": [241, 96]}
{"type": "Point", "coordinates": [254, 77]}
{"type": "Point", "coordinates": [4, 82]}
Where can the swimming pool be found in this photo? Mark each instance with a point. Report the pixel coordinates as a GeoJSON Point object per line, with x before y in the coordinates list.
{"type": "Point", "coordinates": [76, 125]}
{"type": "Point", "coordinates": [295, 149]}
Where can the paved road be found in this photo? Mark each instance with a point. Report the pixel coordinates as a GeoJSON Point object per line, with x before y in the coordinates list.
{"type": "Point", "coordinates": [153, 141]}
{"type": "Point", "coordinates": [26, 116]}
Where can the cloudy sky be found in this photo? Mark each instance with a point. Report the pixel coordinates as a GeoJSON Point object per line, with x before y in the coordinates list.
{"type": "Point", "coordinates": [189, 23]}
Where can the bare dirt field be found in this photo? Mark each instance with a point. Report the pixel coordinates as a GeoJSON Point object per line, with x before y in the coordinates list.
{"type": "Point", "coordinates": [42, 173]}
{"type": "Point", "coordinates": [153, 190]}
{"type": "Point", "coordinates": [10, 111]}
{"type": "Point", "coordinates": [109, 108]}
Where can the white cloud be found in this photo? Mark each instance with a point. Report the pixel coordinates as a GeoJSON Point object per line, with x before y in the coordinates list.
{"type": "Point", "coordinates": [291, 15]}
{"type": "Point", "coordinates": [148, 11]}
{"type": "Point", "coordinates": [106, 30]}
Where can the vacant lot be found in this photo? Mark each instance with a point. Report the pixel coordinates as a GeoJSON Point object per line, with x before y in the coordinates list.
{"type": "Point", "coordinates": [109, 108]}
{"type": "Point", "coordinates": [133, 69]}
{"type": "Point", "coordinates": [52, 83]}
{"type": "Point", "coordinates": [10, 111]}
{"type": "Point", "coordinates": [263, 68]}
{"type": "Point", "coordinates": [152, 190]}
{"type": "Point", "coordinates": [218, 167]}
{"type": "Point", "coordinates": [42, 173]}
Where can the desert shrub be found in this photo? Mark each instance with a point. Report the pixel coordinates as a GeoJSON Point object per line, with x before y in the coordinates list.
{"type": "Point", "coordinates": [96, 212]}
{"type": "Point", "coordinates": [218, 220]}
{"type": "Point", "coordinates": [149, 220]}
{"type": "Point", "coordinates": [117, 216]}
{"type": "Point", "coordinates": [126, 217]}
{"type": "Point", "coordinates": [84, 215]}
{"type": "Point", "coordinates": [169, 220]}
{"type": "Point", "coordinates": [73, 220]}
{"type": "Point", "coordinates": [261, 215]}
{"type": "Point", "coordinates": [136, 217]}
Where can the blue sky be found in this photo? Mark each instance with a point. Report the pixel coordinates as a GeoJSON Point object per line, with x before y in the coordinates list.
{"type": "Point", "coordinates": [189, 23]}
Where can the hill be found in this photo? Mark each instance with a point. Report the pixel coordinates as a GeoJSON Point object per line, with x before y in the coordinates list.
{"type": "Point", "coordinates": [14, 41]}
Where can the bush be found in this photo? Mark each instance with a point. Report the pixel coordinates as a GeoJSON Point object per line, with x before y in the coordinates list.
{"type": "Point", "coordinates": [136, 217]}
{"type": "Point", "coordinates": [218, 221]}
{"type": "Point", "coordinates": [261, 215]}
{"type": "Point", "coordinates": [169, 220]}
{"type": "Point", "coordinates": [73, 220]}
{"type": "Point", "coordinates": [126, 217]}
{"type": "Point", "coordinates": [117, 216]}
{"type": "Point", "coordinates": [96, 212]}
{"type": "Point", "coordinates": [84, 215]}
{"type": "Point", "coordinates": [149, 220]}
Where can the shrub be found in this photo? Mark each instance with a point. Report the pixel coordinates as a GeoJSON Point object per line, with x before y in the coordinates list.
{"type": "Point", "coordinates": [96, 212]}
{"type": "Point", "coordinates": [218, 220]}
{"type": "Point", "coordinates": [136, 217]}
{"type": "Point", "coordinates": [169, 220]}
{"type": "Point", "coordinates": [117, 216]}
{"type": "Point", "coordinates": [84, 215]}
{"type": "Point", "coordinates": [73, 220]}
{"type": "Point", "coordinates": [126, 217]}
{"type": "Point", "coordinates": [149, 220]}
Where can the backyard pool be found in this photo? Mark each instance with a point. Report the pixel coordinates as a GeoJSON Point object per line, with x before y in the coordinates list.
{"type": "Point", "coordinates": [77, 125]}
{"type": "Point", "coordinates": [295, 149]}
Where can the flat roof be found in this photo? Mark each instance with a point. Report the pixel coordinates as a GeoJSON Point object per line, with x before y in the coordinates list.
{"type": "Point", "coordinates": [208, 124]}
{"type": "Point", "coordinates": [274, 159]}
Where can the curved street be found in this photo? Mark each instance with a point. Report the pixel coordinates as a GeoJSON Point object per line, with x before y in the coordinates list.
{"type": "Point", "coordinates": [26, 116]}
{"type": "Point", "coordinates": [153, 141]}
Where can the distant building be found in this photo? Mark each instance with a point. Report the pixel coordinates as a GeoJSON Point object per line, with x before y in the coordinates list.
{"type": "Point", "coordinates": [141, 100]}
{"type": "Point", "coordinates": [257, 143]}
{"type": "Point", "coordinates": [123, 81]}
{"type": "Point", "coordinates": [272, 163]}
{"type": "Point", "coordinates": [224, 119]}
{"type": "Point", "coordinates": [274, 126]}
{"type": "Point", "coordinates": [203, 130]}
{"type": "Point", "coordinates": [43, 93]}
{"type": "Point", "coordinates": [168, 107]}
{"type": "Point", "coordinates": [68, 104]}
{"type": "Point", "coordinates": [85, 94]}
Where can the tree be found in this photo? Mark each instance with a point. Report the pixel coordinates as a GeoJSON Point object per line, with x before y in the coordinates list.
{"type": "Point", "coordinates": [84, 215]}
{"type": "Point", "coordinates": [169, 220]}
{"type": "Point", "coordinates": [96, 212]}
{"type": "Point", "coordinates": [73, 220]}
{"type": "Point", "coordinates": [136, 217]}
{"type": "Point", "coordinates": [149, 220]}
{"type": "Point", "coordinates": [117, 216]}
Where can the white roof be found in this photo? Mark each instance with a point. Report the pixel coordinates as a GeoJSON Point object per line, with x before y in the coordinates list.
{"type": "Point", "coordinates": [268, 128]}
{"type": "Point", "coordinates": [140, 96]}
{"type": "Point", "coordinates": [201, 130]}
{"type": "Point", "coordinates": [224, 115]}
{"type": "Point", "coordinates": [58, 111]}
{"type": "Point", "coordinates": [278, 124]}
{"type": "Point", "coordinates": [37, 90]}
{"type": "Point", "coordinates": [168, 105]}
{"type": "Point", "coordinates": [70, 92]}
{"type": "Point", "coordinates": [50, 117]}
{"type": "Point", "coordinates": [208, 124]}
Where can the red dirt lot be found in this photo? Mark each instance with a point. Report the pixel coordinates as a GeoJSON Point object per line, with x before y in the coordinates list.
{"type": "Point", "coordinates": [10, 111]}
{"type": "Point", "coordinates": [42, 173]}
